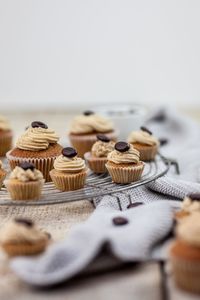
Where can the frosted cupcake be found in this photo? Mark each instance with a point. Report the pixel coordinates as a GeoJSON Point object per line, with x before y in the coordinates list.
{"type": "Point", "coordinates": [5, 136]}
{"type": "Point", "coordinates": [124, 165]}
{"type": "Point", "coordinates": [97, 158]}
{"type": "Point", "coordinates": [144, 141]}
{"type": "Point", "coordinates": [38, 145]}
{"type": "Point", "coordinates": [21, 237]}
{"type": "Point", "coordinates": [190, 204]}
{"type": "Point", "coordinates": [69, 171]}
{"type": "Point", "coordinates": [185, 254]}
{"type": "Point", "coordinates": [84, 129]}
{"type": "Point", "coordinates": [2, 174]}
{"type": "Point", "coordinates": [25, 182]}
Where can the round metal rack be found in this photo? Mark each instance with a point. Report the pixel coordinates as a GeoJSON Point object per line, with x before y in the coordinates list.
{"type": "Point", "coordinates": [96, 186]}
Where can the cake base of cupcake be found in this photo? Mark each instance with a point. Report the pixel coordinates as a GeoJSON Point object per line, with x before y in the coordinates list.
{"type": "Point", "coordinates": [83, 143]}
{"type": "Point", "coordinates": [43, 160]}
{"type": "Point", "coordinates": [125, 173]}
{"type": "Point", "coordinates": [147, 152]}
{"type": "Point", "coordinates": [18, 190]}
{"type": "Point", "coordinates": [24, 248]}
{"type": "Point", "coordinates": [68, 181]}
{"type": "Point", "coordinates": [96, 164]}
{"type": "Point", "coordinates": [5, 142]}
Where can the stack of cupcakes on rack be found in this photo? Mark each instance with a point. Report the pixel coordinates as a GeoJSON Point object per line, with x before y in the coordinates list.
{"type": "Point", "coordinates": [124, 164]}
{"type": "Point", "coordinates": [38, 145]}
{"type": "Point", "coordinates": [6, 136]}
{"type": "Point", "coordinates": [144, 141]}
{"type": "Point", "coordinates": [21, 236]}
{"type": "Point", "coordinates": [97, 158]}
{"type": "Point", "coordinates": [84, 129]}
{"type": "Point", "coordinates": [69, 171]}
{"type": "Point", "coordinates": [25, 182]}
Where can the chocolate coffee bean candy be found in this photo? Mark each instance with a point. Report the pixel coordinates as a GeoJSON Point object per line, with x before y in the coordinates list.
{"type": "Point", "coordinates": [194, 196]}
{"type": "Point", "coordinates": [143, 128]}
{"type": "Point", "coordinates": [133, 205]}
{"type": "Point", "coordinates": [26, 166]}
{"type": "Point", "coordinates": [103, 138]}
{"type": "Point", "coordinates": [69, 152]}
{"type": "Point", "coordinates": [88, 113]}
{"type": "Point", "coordinates": [36, 124]}
{"type": "Point", "coordinates": [23, 221]}
{"type": "Point", "coordinates": [118, 221]}
{"type": "Point", "coordinates": [122, 146]}
{"type": "Point", "coordinates": [159, 117]}
{"type": "Point", "coordinates": [163, 141]}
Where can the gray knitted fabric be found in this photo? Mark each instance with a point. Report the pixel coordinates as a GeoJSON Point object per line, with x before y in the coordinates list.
{"type": "Point", "coordinates": [147, 225]}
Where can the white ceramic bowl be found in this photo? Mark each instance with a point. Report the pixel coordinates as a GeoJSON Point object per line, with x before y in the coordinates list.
{"type": "Point", "coordinates": [124, 116]}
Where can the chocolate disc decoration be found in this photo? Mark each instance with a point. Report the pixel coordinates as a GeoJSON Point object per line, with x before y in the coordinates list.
{"type": "Point", "coordinates": [194, 196]}
{"type": "Point", "coordinates": [133, 205]}
{"type": "Point", "coordinates": [26, 166]}
{"type": "Point", "coordinates": [25, 222]}
{"type": "Point", "coordinates": [146, 130]}
{"type": "Point", "coordinates": [163, 141]}
{"type": "Point", "coordinates": [118, 221]}
{"type": "Point", "coordinates": [88, 113]}
{"type": "Point", "coordinates": [37, 124]}
{"type": "Point", "coordinates": [69, 152]}
{"type": "Point", "coordinates": [103, 138]}
{"type": "Point", "coordinates": [122, 146]}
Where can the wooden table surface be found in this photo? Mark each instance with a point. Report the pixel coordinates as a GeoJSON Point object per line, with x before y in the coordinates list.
{"type": "Point", "coordinates": [125, 282]}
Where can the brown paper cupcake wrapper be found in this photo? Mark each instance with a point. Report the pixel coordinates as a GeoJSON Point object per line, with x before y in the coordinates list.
{"type": "Point", "coordinates": [186, 274]}
{"type": "Point", "coordinates": [84, 143]}
{"type": "Point", "coordinates": [24, 248]}
{"type": "Point", "coordinates": [45, 165]}
{"type": "Point", "coordinates": [68, 182]}
{"type": "Point", "coordinates": [24, 190]}
{"type": "Point", "coordinates": [96, 164]}
{"type": "Point", "coordinates": [125, 174]}
{"type": "Point", "coordinates": [147, 154]}
{"type": "Point", "coordinates": [5, 143]}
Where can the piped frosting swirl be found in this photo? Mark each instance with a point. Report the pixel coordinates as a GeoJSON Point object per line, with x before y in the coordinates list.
{"type": "Point", "coordinates": [190, 206]}
{"type": "Point", "coordinates": [129, 156]}
{"type": "Point", "coordinates": [35, 139]}
{"type": "Point", "coordinates": [26, 175]}
{"type": "Point", "coordinates": [101, 149]}
{"type": "Point", "coordinates": [142, 137]}
{"type": "Point", "coordinates": [69, 164]}
{"type": "Point", "coordinates": [84, 124]}
{"type": "Point", "coordinates": [4, 123]}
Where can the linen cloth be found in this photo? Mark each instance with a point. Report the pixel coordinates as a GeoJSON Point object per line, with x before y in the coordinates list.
{"type": "Point", "coordinates": [148, 225]}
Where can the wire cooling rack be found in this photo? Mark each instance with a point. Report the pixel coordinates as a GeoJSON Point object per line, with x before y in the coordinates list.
{"type": "Point", "coordinates": [96, 185]}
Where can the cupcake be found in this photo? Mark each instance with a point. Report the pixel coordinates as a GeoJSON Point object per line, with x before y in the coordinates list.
{"type": "Point", "coordinates": [97, 158]}
{"type": "Point", "coordinates": [185, 254]}
{"type": "Point", "coordinates": [25, 182]}
{"type": "Point", "coordinates": [21, 237]}
{"type": "Point", "coordinates": [124, 165]}
{"type": "Point", "coordinates": [2, 174]}
{"type": "Point", "coordinates": [190, 204]}
{"type": "Point", "coordinates": [69, 171]}
{"type": "Point", "coordinates": [84, 129]}
{"type": "Point", "coordinates": [5, 136]}
{"type": "Point", "coordinates": [144, 141]}
{"type": "Point", "coordinates": [38, 145]}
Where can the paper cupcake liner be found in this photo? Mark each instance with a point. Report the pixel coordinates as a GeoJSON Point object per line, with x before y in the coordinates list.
{"type": "Point", "coordinates": [45, 165]}
{"type": "Point", "coordinates": [2, 177]}
{"type": "Point", "coordinates": [19, 249]}
{"type": "Point", "coordinates": [96, 164]}
{"type": "Point", "coordinates": [125, 174]}
{"type": "Point", "coordinates": [147, 153]}
{"type": "Point", "coordinates": [68, 181]}
{"type": "Point", "coordinates": [24, 190]}
{"type": "Point", "coordinates": [84, 143]}
{"type": "Point", "coordinates": [186, 274]}
{"type": "Point", "coordinates": [5, 143]}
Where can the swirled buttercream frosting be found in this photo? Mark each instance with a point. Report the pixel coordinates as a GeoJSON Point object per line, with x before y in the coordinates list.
{"type": "Point", "coordinates": [84, 124]}
{"type": "Point", "coordinates": [26, 175]}
{"type": "Point", "coordinates": [69, 165]}
{"type": "Point", "coordinates": [101, 149]}
{"type": "Point", "coordinates": [4, 123]}
{"type": "Point", "coordinates": [129, 156]}
{"type": "Point", "coordinates": [35, 139]}
{"type": "Point", "coordinates": [142, 137]}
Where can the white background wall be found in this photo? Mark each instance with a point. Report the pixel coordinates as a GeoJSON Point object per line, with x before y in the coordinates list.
{"type": "Point", "coordinates": [57, 53]}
